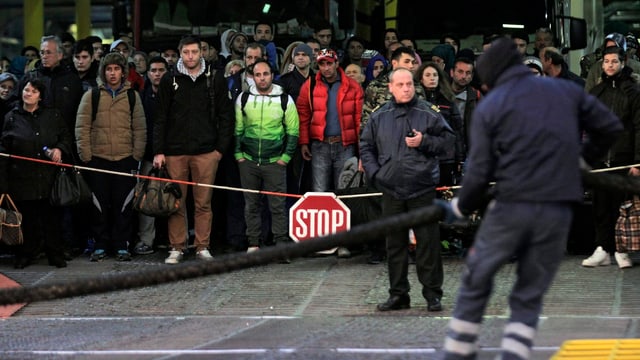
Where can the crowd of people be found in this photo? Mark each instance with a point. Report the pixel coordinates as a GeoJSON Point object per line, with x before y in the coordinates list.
{"type": "Point", "coordinates": [244, 114]}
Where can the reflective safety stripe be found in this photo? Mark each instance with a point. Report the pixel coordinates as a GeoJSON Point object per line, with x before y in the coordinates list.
{"type": "Point", "coordinates": [461, 326]}
{"type": "Point", "coordinates": [520, 329]}
{"type": "Point", "coordinates": [459, 347]}
{"type": "Point", "coordinates": [516, 347]}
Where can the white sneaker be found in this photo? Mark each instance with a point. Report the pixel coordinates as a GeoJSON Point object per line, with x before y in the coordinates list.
{"type": "Point", "coordinates": [252, 249]}
{"type": "Point", "coordinates": [175, 256]}
{"type": "Point", "coordinates": [204, 254]}
{"type": "Point", "coordinates": [598, 258]}
{"type": "Point", "coordinates": [623, 260]}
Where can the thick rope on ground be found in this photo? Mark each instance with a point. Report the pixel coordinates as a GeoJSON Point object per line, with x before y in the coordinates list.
{"type": "Point", "coordinates": [233, 262]}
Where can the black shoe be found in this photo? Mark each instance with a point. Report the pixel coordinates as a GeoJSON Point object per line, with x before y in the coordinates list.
{"type": "Point", "coordinates": [21, 262]}
{"type": "Point", "coordinates": [395, 302]}
{"type": "Point", "coordinates": [58, 262]}
{"type": "Point", "coordinates": [376, 258]}
{"type": "Point", "coordinates": [434, 305]}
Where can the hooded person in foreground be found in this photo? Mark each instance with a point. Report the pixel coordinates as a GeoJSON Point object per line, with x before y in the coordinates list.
{"type": "Point", "coordinates": [534, 154]}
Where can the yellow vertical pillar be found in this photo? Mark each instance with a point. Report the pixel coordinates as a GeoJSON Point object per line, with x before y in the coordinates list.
{"type": "Point", "coordinates": [83, 18]}
{"type": "Point", "coordinates": [33, 22]}
{"type": "Point", "coordinates": [391, 14]}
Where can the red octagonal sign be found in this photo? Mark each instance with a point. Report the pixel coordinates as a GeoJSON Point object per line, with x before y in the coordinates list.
{"type": "Point", "coordinates": [318, 214]}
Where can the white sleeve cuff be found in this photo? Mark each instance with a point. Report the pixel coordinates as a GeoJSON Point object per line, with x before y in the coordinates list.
{"type": "Point", "coordinates": [456, 210]}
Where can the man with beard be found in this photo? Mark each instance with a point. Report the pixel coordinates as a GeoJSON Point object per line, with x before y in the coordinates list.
{"type": "Point", "coordinates": [266, 134]}
{"type": "Point", "coordinates": [192, 129]}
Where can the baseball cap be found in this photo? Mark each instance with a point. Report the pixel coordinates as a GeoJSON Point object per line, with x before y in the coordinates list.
{"type": "Point", "coordinates": [327, 55]}
{"type": "Point", "coordinates": [118, 42]}
{"type": "Point", "coordinates": [532, 61]}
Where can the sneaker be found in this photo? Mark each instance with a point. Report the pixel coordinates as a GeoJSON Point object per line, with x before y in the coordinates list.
{"type": "Point", "coordinates": [123, 255]}
{"type": "Point", "coordinates": [598, 258]}
{"type": "Point", "coordinates": [97, 255]}
{"type": "Point", "coordinates": [251, 249]}
{"type": "Point", "coordinates": [204, 254]}
{"type": "Point", "coordinates": [143, 249]}
{"type": "Point", "coordinates": [623, 260]}
{"type": "Point", "coordinates": [343, 253]}
{"type": "Point", "coordinates": [175, 256]}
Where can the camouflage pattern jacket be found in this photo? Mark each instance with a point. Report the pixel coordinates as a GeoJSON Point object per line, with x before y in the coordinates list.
{"type": "Point", "coordinates": [377, 94]}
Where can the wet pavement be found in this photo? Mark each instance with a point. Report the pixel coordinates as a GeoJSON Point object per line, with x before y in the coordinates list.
{"type": "Point", "coordinates": [313, 308]}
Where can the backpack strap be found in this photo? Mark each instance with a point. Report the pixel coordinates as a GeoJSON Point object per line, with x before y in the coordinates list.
{"type": "Point", "coordinates": [284, 100]}
{"type": "Point", "coordinates": [244, 97]}
{"type": "Point", "coordinates": [131, 94]}
{"type": "Point", "coordinates": [312, 84]}
{"type": "Point", "coordinates": [95, 100]}
{"type": "Point", "coordinates": [211, 74]}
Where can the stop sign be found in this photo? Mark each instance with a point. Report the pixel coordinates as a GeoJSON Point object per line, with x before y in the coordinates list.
{"type": "Point", "coordinates": [318, 214]}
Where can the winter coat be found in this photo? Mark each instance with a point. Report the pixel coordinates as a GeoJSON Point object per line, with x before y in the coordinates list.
{"type": "Point", "coordinates": [114, 134]}
{"type": "Point", "coordinates": [25, 134]}
{"type": "Point", "coordinates": [621, 93]}
{"type": "Point", "coordinates": [377, 94]}
{"type": "Point", "coordinates": [264, 133]}
{"type": "Point", "coordinates": [515, 140]}
{"type": "Point", "coordinates": [450, 112]}
{"type": "Point", "coordinates": [63, 90]}
{"type": "Point", "coordinates": [392, 166]}
{"type": "Point", "coordinates": [313, 117]}
{"type": "Point", "coordinates": [184, 124]}
{"type": "Point", "coordinates": [292, 82]}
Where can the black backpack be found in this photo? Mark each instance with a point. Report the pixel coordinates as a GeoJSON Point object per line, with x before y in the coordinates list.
{"type": "Point", "coordinates": [95, 100]}
{"type": "Point", "coordinates": [284, 99]}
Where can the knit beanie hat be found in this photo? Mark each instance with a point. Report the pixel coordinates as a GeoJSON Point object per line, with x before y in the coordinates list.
{"type": "Point", "coordinates": [303, 48]}
{"type": "Point", "coordinates": [502, 55]}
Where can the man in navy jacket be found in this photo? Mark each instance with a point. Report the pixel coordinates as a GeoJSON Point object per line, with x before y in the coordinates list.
{"type": "Point", "coordinates": [399, 148]}
{"type": "Point", "coordinates": [526, 136]}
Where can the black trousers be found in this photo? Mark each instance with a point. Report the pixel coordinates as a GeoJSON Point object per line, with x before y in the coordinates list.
{"type": "Point", "coordinates": [41, 229]}
{"type": "Point", "coordinates": [112, 217]}
{"type": "Point", "coordinates": [428, 260]}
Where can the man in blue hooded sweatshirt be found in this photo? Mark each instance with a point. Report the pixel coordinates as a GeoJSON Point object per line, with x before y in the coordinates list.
{"type": "Point", "coordinates": [533, 153]}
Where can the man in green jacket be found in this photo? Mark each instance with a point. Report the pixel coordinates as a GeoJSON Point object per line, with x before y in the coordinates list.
{"type": "Point", "coordinates": [266, 135]}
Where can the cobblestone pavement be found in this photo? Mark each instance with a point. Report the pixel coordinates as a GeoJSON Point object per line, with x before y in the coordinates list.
{"type": "Point", "coordinates": [313, 308]}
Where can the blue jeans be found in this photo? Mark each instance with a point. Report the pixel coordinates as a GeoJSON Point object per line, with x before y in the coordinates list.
{"type": "Point", "coordinates": [327, 161]}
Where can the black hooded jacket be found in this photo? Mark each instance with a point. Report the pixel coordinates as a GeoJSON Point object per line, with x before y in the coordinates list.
{"type": "Point", "coordinates": [621, 93]}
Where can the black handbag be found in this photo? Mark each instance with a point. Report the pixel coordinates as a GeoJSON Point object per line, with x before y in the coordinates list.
{"type": "Point", "coordinates": [69, 188]}
{"type": "Point", "coordinates": [157, 197]}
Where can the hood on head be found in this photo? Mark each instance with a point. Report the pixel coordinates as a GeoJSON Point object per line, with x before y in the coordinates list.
{"type": "Point", "coordinates": [502, 55]}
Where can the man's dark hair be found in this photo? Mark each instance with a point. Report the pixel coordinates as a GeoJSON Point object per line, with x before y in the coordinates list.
{"type": "Point", "coordinates": [65, 36]}
{"type": "Point", "coordinates": [463, 59]}
{"type": "Point", "coordinates": [27, 48]}
{"type": "Point", "coordinates": [556, 58]}
{"type": "Point", "coordinates": [83, 45]}
{"type": "Point", "coordinates": [188, 40]}
{"type": "Point", "coordinates": [453, 36]}
{"type": "Point", "coordinates": [263, 22]}
{"type": "Point", "coordinates": [520, 35]}
{"type": "Point", "coordinates": [158, 59]}
{"type": "Point", "coordinates": [256, 45]}
{"type": "Point", "coordinates": [260, 61]}
{"type": "Point", "coordinates": [397, 53]}
{"type": "Point", "coordinates": [323, 25]}
{"type": "Point", "coordinates": [93, 39]}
